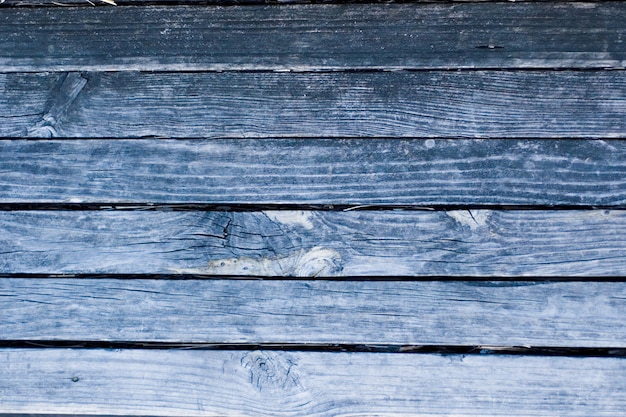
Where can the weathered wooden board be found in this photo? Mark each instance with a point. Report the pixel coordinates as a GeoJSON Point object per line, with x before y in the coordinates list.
{"type": "Point", "coordinates": [312, 243]}
{"type": "Point", "coordinates": [315, 37]}
{"type": "Point", "coordinates": [261, 383]}
{"type": "Point", "coordinates": [315, 171]}
{"type": "Point", "coordinates": [483, 104]}
{"type": "Point", "coordinates": [572, 314]}
{"type": "Point", "coordinates": [108, 3]}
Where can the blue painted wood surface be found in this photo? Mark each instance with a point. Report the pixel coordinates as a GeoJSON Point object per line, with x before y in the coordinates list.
{"type": "Point", "coordinates": [340, 209]}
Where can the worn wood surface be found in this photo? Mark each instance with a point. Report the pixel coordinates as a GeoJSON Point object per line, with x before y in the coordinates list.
{"type": "Point", "coordinates": [314, 37]}
{"type": "Point", "coordinates": [259, 383]}
{"type": "Point", "coordinates": [322, 108]}
{"type": "Point", "coordinates": [316, 244]}
{"type": "Point", "coordinates": [572, 314]}
{"type": "Point", "coordinates": [108, 3]}
{"type": "Point", "coordinates": [314, 171]}
{"type": "Point", "coordinates": [483, 104]}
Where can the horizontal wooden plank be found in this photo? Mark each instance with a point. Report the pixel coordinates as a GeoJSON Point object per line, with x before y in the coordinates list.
{"type": "Point", "coordinates": [106, 3]}
{"type": "Point", "coordinates": [310, 243]}
{"type": "Point", "coordinates": [573, 314]}
{"type": "Point", "coordinates": [314, 37]}
{"type": "Point", "coordinates": [260, 383]}
{"type": "Point", "coordinates": [315, 171]}
{"type": "Point", "coordinates": [480, 104]}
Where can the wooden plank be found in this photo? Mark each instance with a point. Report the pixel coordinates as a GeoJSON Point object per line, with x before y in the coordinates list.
{"type": "Point", "coordinates": [314, 37]}
{"type": "Point", "coordinates": [106, 3]}
{"type": "Point", "coordinates": [260, 383]}
{"type": "Point", "coordinates": [91, 3]}
{"type": "Point", "coordinates": [573, 314]}
{"type": "Point", "coordinates": [310, 243]}
{"type": "Point", "coordinates": [316, 171]}
{"type": "Point", "coordinates": [480, 104]}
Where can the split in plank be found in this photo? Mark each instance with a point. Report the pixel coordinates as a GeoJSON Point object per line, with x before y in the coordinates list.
{"type": "Point", "coordinates": [261, 383]}
{"type": "Point", "coordinates": [316, 244]}
{"type": "Point", "coordinates": [315, 171]}
{"type": "Point", "coordinates": [399, 313]}
{"type": "Point", "coordinates": [315, 37]}
{"type": "Point", "coordinates": [481, 104]}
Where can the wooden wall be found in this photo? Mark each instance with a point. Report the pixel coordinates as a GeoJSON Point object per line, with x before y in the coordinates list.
{"type": "Point", "coordinates": [249, 208]}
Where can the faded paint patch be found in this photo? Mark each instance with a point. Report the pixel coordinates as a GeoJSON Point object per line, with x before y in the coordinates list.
{"type": "Point", "coordinates": [291, 218]}
{"type": "Point", "coordinates": [315, 262]}
{"type": "Point", "coordinates": [581, 5]}
{"type": "Point", "coordinates": [474, 219]}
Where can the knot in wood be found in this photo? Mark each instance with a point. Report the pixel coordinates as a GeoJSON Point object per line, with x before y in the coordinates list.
{"type": "Point", "coordinates": [271, 371]}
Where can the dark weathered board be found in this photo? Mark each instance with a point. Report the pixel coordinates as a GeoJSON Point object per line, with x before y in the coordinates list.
{"type": "Point", "coordinates": [315, 37]}
{"type": "Point", "coordinates": [316, 244]}
{"type": "Point", "coordinates": [572, 314]}
{"type": "Point", "coordinates": [261, 383]}
{"type": "Point", "coordinates": [107, 3]}
{"type": "Point", "coordinates": [483, 104]}
{"type": "Point", "coordinates": [315, 171]}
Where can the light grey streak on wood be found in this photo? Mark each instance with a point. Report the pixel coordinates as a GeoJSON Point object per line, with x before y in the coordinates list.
{"type": "Point", "coordinates": [314, 37]}
{"type": "Point", "coordinates": [259, 383]}
{"type": "Point", "coordinates": [300, 171]}
{"type": "Point", "coordinates": [358, 243]}
{"type": "Point", "coordinates": [572, 314]}
{"type": "Point", "coordinates": [474, 104]}
{"type": "Point", "coordinates": [315, 262]}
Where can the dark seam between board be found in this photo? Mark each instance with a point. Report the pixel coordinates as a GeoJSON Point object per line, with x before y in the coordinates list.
{"type": "Point", "coordinates": [613, 352]}
{"type": "Point", "coordinates": [246, 208]}
{"type": "Point", "coordinates": [485, 280]}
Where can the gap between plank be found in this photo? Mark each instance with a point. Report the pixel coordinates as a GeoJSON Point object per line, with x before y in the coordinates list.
{"type": "Point", "coordinates": [497, 281]}
{"type": "Point", "coordinates": [244, 208]}
{"type": "Point", "coordinates": [325, 347]}
{"type": "Point", "coordinates": [230, 3]}
{"type": "Point", "coordinates": [327, 70]}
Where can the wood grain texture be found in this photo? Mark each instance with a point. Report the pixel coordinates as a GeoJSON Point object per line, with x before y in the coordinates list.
{"type": "Point", "coordinates": [288, 243]}
{"type": "Point", "coordinates": [275, 81]}
{"type": "Point", "coordinates": [573, 314]}
{"type": "Point", "coordinates": [259, 383]}
{"type": "Point", "coordinates": [314, 37]}
{"type": "Point", "coordinates": [316, 171]}
{"type": "Point", "coordinates": [474, 104]}
{"type": "Point", "coordinates": [91, 3]}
